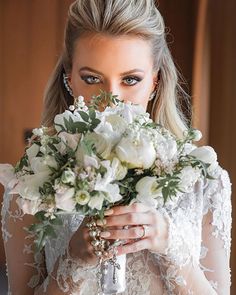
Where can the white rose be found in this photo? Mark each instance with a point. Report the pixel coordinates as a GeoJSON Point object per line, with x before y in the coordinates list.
{"type": "Point", "coordinates": [68, 177]}
{"type": "Point", "coordinates": [28, 185]}
{"type": "Point", "coordinates": [206, 154]}
{"type": "Point", "coordinates": [64, 198]}
{"type": "Point", "coordinates": [71, 140]}
{"type": "Point", "coordinates": [82, 197]}
{"type": "Point", "coordinates": [188, 177]}
{"type": "Point", "coordinates": [28, 206]}
{"type": "Point", "coordinates": [7, 176]}
{"type": "Point", "coordinates": [96, 201]}
{"type": "Point", "coordinates": [140, 155]}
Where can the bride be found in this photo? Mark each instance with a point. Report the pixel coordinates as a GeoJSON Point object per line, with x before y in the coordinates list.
{"type": "Point", "coordinates": [119, 46]}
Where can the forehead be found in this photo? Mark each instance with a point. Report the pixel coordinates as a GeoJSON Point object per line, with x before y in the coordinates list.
{"type": "Point", "coordinates": [120, 53]}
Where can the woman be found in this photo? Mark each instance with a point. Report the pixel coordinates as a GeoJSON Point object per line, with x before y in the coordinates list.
{"type": "Point", "coordinates": [119, 46]}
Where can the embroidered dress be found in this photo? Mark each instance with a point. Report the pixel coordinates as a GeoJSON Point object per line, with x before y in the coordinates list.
{"type": "Point", "coordinates": [199, 231]}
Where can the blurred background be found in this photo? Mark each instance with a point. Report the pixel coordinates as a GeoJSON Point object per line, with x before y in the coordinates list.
{"type": "Point", "coordinates": [202, 41]}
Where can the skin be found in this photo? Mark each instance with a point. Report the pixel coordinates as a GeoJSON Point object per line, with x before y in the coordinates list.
{"type": "Point", "coordinates": [111, 57]}
{"type": "Point", "coordinates": [122, 65]}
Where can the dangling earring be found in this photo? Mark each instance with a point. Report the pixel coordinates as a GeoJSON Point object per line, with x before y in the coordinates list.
{"type": "Point", "coordinates": [154, 93]}
{"type": "Point", "coordinates": [66, 84]}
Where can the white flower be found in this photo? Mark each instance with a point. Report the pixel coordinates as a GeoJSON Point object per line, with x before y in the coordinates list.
{"type": "Point", "coordinates": [103, 184]}
{"type": "Point", "coordinates": [102, 142]}
{"type": "Point", "coordinates": [188, 177]}
{"type": "Point", "coordinates": [96, 201]}
{"type": "Point", "coordinates": [60, 123]}
{"type": "Point", "coordinates": [28, 185]}
{"type": "Point", "coordinates": [112, 192]}
{"type": "Point", "coordinates": [138, 154]}
{"type": "Point", "coordinates": [130, 111]}
{"type": "Point", "coordinates": [32, 151]}
{"type": "Point", "coordinates": [148, 192]}
{"type": "Point", "coordinates": [7, 176]}
{"type": "Point", "coordinates": [91, 161]}
{"type": "Point", "coordinates": [64, 198]}
{"type": "Point", "coordinates": [197, 135]}
{"type": "Point", "coordinates": [207, 155]}
{"type": "Point", "coordinates": [38, 132]}
{"type": "Point", "coordinates": [120, 170]}
{"type": "Point", "coordinates": [71, 140]}
{"type": "Point", "coordinates": [28, 206]}
{"type": "Point", "coordinates": [42, 164]}
{"type": "Point", "coordinates": [166, 149]}
{"type": "Point", "coordinates": [68, 177]}
{"type": "Point", "coordinates": [82, 197]}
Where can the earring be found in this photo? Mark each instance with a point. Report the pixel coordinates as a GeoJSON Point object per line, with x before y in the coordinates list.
{"type": "Point", "coordinates": [154, 93]}
{"type": "Point", "coordinates": [66, 84]}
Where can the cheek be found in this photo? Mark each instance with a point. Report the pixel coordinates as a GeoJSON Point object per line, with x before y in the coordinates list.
{"type": "Point", "coordinates": [140, 94]}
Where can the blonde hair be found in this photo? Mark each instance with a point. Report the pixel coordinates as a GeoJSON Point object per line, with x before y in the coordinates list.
{"type": "Point", "coordinates": [120, 17]}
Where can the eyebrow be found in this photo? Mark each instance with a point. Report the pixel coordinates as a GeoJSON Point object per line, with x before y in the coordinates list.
{"type": "Point", "coordinates": [99, 73]}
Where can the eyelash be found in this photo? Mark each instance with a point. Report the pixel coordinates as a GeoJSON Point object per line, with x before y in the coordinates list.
{"type": "Point", "coordinates": [87, 77]}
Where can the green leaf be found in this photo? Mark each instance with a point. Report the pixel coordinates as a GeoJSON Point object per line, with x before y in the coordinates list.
{"type": "Point", "coordinates": [56, 221]}
{"type": "Point", "coordinates": [84, 116]}
{"type": "Point", "coordinates": [67, 124]}
{"type": "Point", "coordinates": [80, 127]}
{"type": "Point", "coordinates": [92, 114]}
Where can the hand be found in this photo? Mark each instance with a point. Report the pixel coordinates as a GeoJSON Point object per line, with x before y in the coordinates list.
{"type": "Point", "coordinates": [136, 215]}
{"type": "Point", "coordinates": [80, 245]}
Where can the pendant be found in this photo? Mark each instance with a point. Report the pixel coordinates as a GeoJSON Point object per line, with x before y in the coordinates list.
{"type": "Point", "coordinates": [113, 275]}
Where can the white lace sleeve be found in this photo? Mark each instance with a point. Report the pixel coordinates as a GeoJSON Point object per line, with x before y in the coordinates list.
{"type": "Point", "coordinates": [19, 250]}
{"type": "Point", "coordinates": [72, 275]}
{"type": "Point", "coordinates": [199, 228]}
{"type": "Point", "coordinates": [216, 235]}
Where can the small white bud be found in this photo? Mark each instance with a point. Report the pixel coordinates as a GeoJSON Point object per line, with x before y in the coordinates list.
{"type": "Point", "coordinates": [72, 108]}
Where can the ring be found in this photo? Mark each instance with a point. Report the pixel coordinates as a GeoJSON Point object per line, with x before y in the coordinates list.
{"type": "Point", "coordinates": [144, 231]}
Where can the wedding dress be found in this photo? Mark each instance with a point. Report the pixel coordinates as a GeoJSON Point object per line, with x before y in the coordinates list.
{"type": "Point", "coordinates": [199, 238]}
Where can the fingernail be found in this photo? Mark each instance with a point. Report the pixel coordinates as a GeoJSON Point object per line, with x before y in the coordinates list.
{"type": "Point", "coordinates": [105, 234]}
{"type": "Point", "coordinates": [101, 222]}
{"type": "Point", "coordinates": [108, 212]}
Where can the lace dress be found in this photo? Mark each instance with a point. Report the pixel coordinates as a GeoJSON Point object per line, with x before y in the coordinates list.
{"type": "Point", "coordinates": [198, 245]}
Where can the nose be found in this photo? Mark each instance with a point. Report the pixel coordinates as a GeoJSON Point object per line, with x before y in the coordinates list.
{"type": "Point", "coordinates": [114, 89]}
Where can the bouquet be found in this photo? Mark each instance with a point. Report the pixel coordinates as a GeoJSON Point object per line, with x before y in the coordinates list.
{"type": "Point", "coordinates": [95, 159]}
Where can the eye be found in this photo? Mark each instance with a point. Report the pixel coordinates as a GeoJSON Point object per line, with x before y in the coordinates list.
{"type": "Point", "coordinates": [91, 79]}
{"type": "Point", "coordinates": [132, 80]}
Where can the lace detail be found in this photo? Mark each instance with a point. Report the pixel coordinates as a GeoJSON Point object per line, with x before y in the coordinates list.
{"type": "Point", "coordinates": [7, 213]}
{"type": "Point", "coordinates": [17, 216]}
{"type": "Point", "coordinates": [147, 272]}
{"type": "Point", "coordinates": [217, 201]}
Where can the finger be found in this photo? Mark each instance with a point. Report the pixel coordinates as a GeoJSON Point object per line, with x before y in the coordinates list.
{"type": "Point", "coordinates": [134, 247]}
{"type": "Point", "coordinates": [135, 207]}
{"type": "Point", "coordinates": [132, 218]}
{"type": "Point", "coordinates": [135, 232]}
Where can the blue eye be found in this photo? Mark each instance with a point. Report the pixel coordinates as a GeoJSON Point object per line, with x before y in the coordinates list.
{"type": "Point", "coordinates": [91, 79]}
{"type": "Point", "coordinates": [131, 81]}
